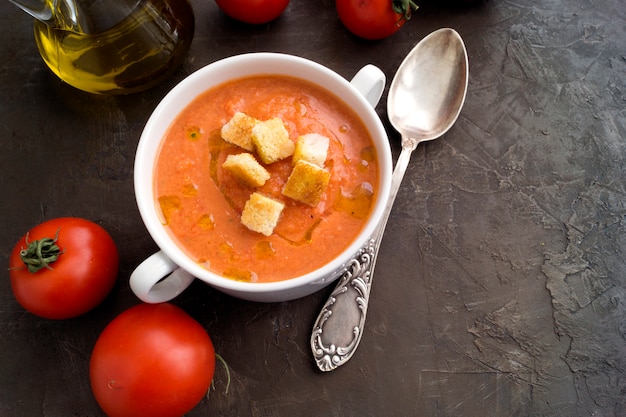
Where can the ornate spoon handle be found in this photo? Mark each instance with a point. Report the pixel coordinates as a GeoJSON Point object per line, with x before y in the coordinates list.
{"type": "Point", "coordinates": [339, 326]}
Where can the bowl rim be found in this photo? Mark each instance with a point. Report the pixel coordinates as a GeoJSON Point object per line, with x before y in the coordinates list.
{"type": "Point", "coordinates": [188, 90]}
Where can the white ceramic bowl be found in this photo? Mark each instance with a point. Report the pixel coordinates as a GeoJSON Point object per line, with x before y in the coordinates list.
{"type": "Point", "coordinates": [168, 272]}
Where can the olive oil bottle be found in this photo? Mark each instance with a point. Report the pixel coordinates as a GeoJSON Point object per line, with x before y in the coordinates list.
{"type": "Point", "coordinates": [136, 51]}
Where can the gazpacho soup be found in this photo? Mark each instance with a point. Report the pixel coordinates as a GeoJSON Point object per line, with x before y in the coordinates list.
{"type": "Point", "coordinates": [265, 178]}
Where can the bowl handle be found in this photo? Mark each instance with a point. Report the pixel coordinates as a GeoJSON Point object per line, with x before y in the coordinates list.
{"type": "Point", "coordinates": [157, 279]}
{"type": "Point", "coordinates": [370, 82]}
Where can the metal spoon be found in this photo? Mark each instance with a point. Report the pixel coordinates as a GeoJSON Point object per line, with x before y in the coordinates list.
{"type": "Point", "coordinates": [425, 99]}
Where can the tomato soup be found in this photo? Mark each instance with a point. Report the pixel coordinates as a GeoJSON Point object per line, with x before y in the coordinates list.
{"type": "Point", "coordinates": [201, 203]}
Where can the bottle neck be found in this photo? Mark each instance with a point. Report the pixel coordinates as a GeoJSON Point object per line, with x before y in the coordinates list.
{"type": "Point", "coordinates": [81, 16]}
{"type": "Point", "coordinates": [38, 9]}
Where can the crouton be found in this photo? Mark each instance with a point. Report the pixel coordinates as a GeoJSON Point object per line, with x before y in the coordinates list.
{"type": "Point", "coordinates": [246, 169]}
{"type": "Point", "coordinates": [312, 148]}
{"type": "Point", "coordinates": [271, 140]}
{"type": "Point", "coordinates": [238, 130]}
{"type": "Point", "coordinates": [261, 214]}
{"type": "Point", "coordinates": [306, 183]}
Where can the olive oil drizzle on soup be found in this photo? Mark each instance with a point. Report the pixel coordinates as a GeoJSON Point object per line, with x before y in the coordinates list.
{"type": "Point", "coordinates": [200, 203]}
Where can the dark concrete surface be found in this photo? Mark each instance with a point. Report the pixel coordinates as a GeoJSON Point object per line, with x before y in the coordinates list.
{"type": "Point", "coordinates": [500, 284]}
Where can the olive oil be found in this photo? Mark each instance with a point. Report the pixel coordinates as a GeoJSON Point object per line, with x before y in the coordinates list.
{"type": "Point", "coordinates": [133, 55]}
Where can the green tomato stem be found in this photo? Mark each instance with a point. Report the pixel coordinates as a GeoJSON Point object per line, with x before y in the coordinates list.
{"type": "Point", "coordinates": [225, 365]}
{"type": "Point", "coordinates": [40, 253]}
{"type": "Point", "coordinates": [404, 7]}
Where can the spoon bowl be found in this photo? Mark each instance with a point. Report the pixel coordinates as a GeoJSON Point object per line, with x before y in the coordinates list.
{"type": "Point", "coordinates": [424, 100]}
{"type": "Point", "coordinates": [429, 88]}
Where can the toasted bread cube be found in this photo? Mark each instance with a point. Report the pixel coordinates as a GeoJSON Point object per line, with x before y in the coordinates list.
{"type": "Point", "coordinates": [306, 183]}
{"type": "Point", "coordinates": [271, 140]}
{"type": "Point", "coordinates": [261, 214]}
{"type": "Point", "coordinates": [238, 130]}
{"type": "Point", "coordinates": [312, 148]}
{"type": "Point", "coordinates": [246, 169]}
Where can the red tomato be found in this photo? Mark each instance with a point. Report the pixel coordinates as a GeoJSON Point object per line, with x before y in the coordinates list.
{"type": "Point", "coordinates": [374, 19]}
{"type": "Point", "coordinates": [152, 360]}
{"type": "Point", "coordinates": [63, 267]}
{"type": "Point", "coordinates": [253, 11]}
